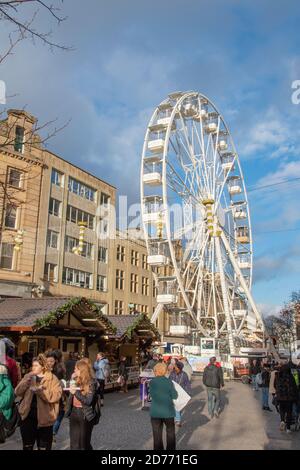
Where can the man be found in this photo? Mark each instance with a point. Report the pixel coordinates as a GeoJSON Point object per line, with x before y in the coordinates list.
{"type": "Point", "coordinates": [100, 365]}
{"type": "Point", "coordinates": [152, 363]}
{"type": "Point", "coordinates": [265, 377]}
{"type": "Point", "coordinates": [254, 371]}
{"type": "Point", "coordinates": [213, 380]}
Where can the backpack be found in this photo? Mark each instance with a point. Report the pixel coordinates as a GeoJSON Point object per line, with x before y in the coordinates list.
{"type": "Point", "coordinates": [259, 379]}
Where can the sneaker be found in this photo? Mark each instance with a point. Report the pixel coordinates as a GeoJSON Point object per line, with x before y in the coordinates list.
{"type": "Point", "coordinates": [102, 402]}
{"type": "Point", "coordinates": [282, 426]}
{"type": "Point", "coordinates": [217, 414]}
{"type": "Point", "coordinates": [288, 431]}
{"type": "Point", "coordinates": [268, 409]}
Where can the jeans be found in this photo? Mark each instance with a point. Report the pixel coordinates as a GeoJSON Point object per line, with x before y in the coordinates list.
{"type": "Point", "coordinates": [157, 429]}
{"type": "Point", "coordinates": [286, 409]}
{"type": "Point", "coordinates": [265, 397]}
{"type": "Point", "coordinates": [213, 395]}
{"type": "Point", "coordinates": [57, 423]}
{"type": "Point", "coordinates": [178, 416]}
{"type": "Point", "coordinates": [80, 430]}
{"type": "Point", "coordinates": [254, 383]}
{"type": "Point", "coordinates": [101, 383]}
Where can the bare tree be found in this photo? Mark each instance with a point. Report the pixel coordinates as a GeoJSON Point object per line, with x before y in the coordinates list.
{"type": "Point", "coordinates": [12, 13]}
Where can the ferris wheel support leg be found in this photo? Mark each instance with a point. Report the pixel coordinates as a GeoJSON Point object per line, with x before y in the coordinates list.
{"type": "Point", "coordinates": [242, 281]}
{"type": "Point", "coordinates": [224, 295]}
{"type": "Point", "coordinates": [157, 311]}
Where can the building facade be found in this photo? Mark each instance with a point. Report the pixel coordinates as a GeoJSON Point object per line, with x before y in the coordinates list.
{"type": "Point", "coordinates": [56, 221]}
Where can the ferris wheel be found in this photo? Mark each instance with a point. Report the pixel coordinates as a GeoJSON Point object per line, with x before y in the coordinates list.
{"type": "Point", "coordinates": [196, 219]}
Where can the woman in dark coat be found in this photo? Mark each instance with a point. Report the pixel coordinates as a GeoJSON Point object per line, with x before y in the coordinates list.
{"type": "Point", "coordinates": [286, 394]}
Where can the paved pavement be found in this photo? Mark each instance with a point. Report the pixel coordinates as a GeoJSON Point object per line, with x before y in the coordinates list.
{"type": "Point", "coordinates": [242, 424]}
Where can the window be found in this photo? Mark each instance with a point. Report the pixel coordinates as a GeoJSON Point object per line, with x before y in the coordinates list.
{"type": "Point", "coordinates": [57, 177]}
{"type": "Point", "coordinates": [121, 253]}
{"type": "Point", "coordinates": [134, 283]}
{"type": "Point", "coordinates": [76, 215]}
{"type": "Point", "coordinates": [102, 283]}
{"type": "Point", "coordinates": [120, 279]}
{"type": "Point", "coordinates": [154, 290]}
{"type": "Point", "coordinates": [134, 258]}
{"type": "Point", "coordinates": [50, 272]}
{"type": "Point", "coordinates": [145, 309]}
{"type": "Point", "coordinates": [52, 239]}
{"type": "Point", "coordinates": [11, 216]}
{"type": "Point", "coordinates": [104, 199]}
{"type": "Point", "coordinates": [81, 189]}
{"type": "Point", "coordinates": [74, 277]}
{"type": "Point", "coordinates": [15, 178]}
{"type": "Point", "coordinates": [144, 262]}
{"type": "Point", "coordinates": [87, 249]}
{"type": "Point", "coordinates": [103, 225]}
{"type": "Point", "coordinates": [119, 307]}
{"type": "Point", "coordinates": [19, 139]}
{"type": "Point", "coordinates": [102, 254]}
{"type": "Point", "coordinates": [145, 286]}
{"type": "Point", "coordinates": [7, 255]}
{"type": "Point", "coordinates": [54, 207]}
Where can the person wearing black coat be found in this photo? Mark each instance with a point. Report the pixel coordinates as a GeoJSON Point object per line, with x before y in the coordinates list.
{"type": "Point", "coordinates": [123, 374]}
{"type": "Point", "coordinates": [82, 407]}
{"type": "Point", "coordinates": [286, 394]}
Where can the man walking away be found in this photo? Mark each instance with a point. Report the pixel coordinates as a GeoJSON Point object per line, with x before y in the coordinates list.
{"type": "Point", "coordinates": [101, 366]}
{"type": "Point", "coordinates": [254, 371]}
{"type": "Point", "coordinates": [265, 377]}
{"type": "Point", "coordinates": [213, 380]}
{"type": "Point", "coordinates": [287, 394]}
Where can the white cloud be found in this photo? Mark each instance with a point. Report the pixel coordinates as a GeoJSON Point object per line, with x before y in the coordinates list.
{"type": "Point", "coordinates": [267, 309]}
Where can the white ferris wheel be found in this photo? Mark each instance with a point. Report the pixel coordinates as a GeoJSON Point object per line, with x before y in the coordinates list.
{"type": "Point", "coordinates": [196, 219]}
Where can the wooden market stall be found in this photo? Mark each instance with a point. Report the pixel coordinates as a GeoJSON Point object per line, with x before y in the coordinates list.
{"type": "Point", "coordinates": [68, 324]}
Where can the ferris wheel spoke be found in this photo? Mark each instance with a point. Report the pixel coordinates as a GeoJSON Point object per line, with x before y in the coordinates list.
{"type": "Point", "coordinates": [202, 172]}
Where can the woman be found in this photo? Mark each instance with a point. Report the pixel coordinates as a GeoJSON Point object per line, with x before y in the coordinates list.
{"type": "Point", "coordinates": [56, 366]}
{"type": "Point", "coordinates": [179, 376]}
{"type": "Point", "coordinates": [123, 375]}
{"type": "Point", "coordinates": [162, 410]}
{"type": "Point", "coordinates": [286, 394]}
{"type": "Point", "coordinates": [6, 400]}
{"type": "Point", "coordinates": [40, 392]}
{"type": "Point", "coordinates": [82, 407]}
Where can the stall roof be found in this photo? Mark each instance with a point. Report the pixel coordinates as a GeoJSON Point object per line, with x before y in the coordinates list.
{"type": "Point", "coordinates": [125, 324]}
{"type": "Point", "coordinates": [33, 314]}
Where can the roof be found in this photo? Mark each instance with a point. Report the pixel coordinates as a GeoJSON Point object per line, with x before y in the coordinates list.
{"type": "Point", "coordinates": [41, 313]}
{"type": "Point", "coordinates": [125, 323]}
{"type": "Point", "coordinates": [24, 312]}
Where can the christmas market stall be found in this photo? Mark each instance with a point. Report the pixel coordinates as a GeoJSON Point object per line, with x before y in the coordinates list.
{"type": "Point", "coordinates": [135, 334]}
{"type": "Point", "coordinates": [69, 324]}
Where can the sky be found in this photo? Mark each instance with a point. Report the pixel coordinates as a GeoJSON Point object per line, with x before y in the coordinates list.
{"type": "Point", "coordinates": [127, 55]}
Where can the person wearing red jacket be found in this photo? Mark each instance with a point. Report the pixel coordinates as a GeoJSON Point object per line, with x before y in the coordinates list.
{"type": "Point", "coordinates": [12, 368]}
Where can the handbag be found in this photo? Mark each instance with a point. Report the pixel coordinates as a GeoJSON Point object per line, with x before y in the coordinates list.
{"type": "Point", "coordinates": [183, 398]}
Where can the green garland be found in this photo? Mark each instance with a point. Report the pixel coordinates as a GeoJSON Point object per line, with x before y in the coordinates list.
{"type": "Point", "coordinates": [136, 323]}
{"type": "Point", "coordinates": [59, 313]}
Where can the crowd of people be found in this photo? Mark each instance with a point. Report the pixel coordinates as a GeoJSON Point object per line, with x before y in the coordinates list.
{"type": "Point", "coordinates": [50, 390]}
{"type": "Point", "coordinates": [279, 383]}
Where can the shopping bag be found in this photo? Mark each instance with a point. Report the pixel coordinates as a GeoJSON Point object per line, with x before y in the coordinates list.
{"type": "Point", "coordinates": [182, 399]}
